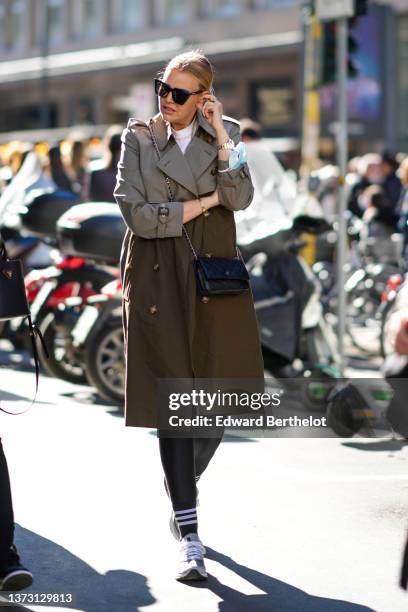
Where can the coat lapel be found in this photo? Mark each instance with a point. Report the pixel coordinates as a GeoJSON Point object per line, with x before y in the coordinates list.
{"type": "Point", "coordinates": [200, 154]}
{"type": "Point", "coordinates": [174, 164]}
{"type": "Point", "coordinates": [185, 169]}
{"type": "Point", "coordinates": [202, 149]}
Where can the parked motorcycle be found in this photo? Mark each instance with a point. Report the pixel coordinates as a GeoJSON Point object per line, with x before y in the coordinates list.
{"type": "Point", "coordinates": [371, 263]}
{"type": "Point", "coordinates": [297, 342]}
{"type": "Point", "coordinates": [93, 231]}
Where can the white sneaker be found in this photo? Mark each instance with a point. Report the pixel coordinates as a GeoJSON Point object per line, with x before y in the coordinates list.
{"type": "Point", "coordinates": [192, 553]}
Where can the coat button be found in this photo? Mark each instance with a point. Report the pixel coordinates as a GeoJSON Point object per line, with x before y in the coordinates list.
{"type": "Point", "coordinates": [153, 309]}
{"type": "Point", "coordinates": [205, 299]}
{"type": "Point", "coordinates": [156, 267]}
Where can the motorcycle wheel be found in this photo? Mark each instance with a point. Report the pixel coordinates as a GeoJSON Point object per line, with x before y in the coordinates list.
{"type": "Point", "coordinates": [105, 363]}
{"type": "Point", "coordinates": [340, 415]}
{"type": "Point", "coordinates": [59, 364]}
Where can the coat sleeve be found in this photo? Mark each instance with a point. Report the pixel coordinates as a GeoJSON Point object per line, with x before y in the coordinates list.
{"type": "Point", "coordinates": [235, 188]}
{"type": "Point", "coordinates": [144, 219]}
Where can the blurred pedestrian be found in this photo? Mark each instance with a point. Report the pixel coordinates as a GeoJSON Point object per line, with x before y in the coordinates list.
{"type": "Point", "coordinates": [250, 130]}
{"type": "Point", "coordinates": [57, 170]}
{"type": "Point", "coordinates": [102, 182]}
{"type": "Point", "coordinates": [370, 173]}
{"type": "Point", "coordinates": [13, 575]}
{"type": "Point", "coordinates": [391, 183]}
{"type": "Point", "coordinates": [15, 158]}
{"type": "Point", "coordinates": [170, 332]}
{"type": "Point", "coordinates": [402, 208]}
{"type": "Point", "coordinates": [386, 201]}
{"type": "Point", "coordinates": [33, 175]}
{"type": "Point", "coordinates": [380, 224]}
{"type": "Point", "coordinates": [76, 166]}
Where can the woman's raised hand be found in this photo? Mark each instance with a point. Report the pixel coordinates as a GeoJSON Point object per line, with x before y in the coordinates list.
{"type": "Point", "coordinates": [212, 111]}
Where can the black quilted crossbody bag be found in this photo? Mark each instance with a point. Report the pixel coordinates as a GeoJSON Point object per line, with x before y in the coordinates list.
{"type": "Point", "coordinates": [214, 275]}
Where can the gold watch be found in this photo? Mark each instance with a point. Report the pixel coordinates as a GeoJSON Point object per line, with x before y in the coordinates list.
{"type": "Point", "coordinates": [229, 145]}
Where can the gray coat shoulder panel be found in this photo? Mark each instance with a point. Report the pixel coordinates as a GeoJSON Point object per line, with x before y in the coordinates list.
{"type": "Point", "coordinates": [133, 122]}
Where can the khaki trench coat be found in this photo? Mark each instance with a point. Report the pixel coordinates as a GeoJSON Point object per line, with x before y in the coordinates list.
{"type": "Point", "coordinates": [170, 332]}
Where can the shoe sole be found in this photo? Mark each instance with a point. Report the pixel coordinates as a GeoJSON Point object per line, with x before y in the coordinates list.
{"type": "Point", "coordinates": [192, 575]}
{"type": "Point", "coordinates": [16, 581]}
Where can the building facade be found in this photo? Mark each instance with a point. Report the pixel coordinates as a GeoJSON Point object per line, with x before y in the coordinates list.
{"type": "Point", "coordinates": [66, 62]}
{"type": "Point", "coordinates": [92, 62]}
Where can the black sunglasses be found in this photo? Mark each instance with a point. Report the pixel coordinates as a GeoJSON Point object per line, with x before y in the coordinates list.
{"type": "Point", "coordinates": [180, 96]}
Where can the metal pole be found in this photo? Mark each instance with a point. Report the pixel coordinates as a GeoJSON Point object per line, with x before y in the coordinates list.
{"type": "Point", "coordinates": [311, 99]}
{"type": "Point", "coordinates": [45, 98]}
{"type": "Point", "coordinates": [342, 152]}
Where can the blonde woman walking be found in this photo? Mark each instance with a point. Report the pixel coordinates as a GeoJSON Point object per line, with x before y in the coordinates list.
{"type": "Point", "coordinates": [170, 331]}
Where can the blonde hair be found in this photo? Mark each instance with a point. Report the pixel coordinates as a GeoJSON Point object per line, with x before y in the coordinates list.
{"type": "Point", "coordinates": [194, 62]}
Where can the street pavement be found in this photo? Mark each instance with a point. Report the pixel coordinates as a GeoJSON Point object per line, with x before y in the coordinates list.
{"type": "Point", "coordinates": [290, 525]}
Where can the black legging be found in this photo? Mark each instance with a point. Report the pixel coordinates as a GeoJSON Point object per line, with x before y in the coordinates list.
{"type": "Point", "coordinates": [6, 513]}
{"type": "Point", "coordinates": [184, 460]}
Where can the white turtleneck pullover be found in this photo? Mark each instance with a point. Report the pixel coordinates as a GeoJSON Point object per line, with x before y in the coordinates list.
{"type": "Point", "coordinates": [184, 136]}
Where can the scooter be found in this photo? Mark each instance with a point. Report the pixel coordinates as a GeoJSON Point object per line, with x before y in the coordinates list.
{"type": "Point", "coordinates": [297, 342]}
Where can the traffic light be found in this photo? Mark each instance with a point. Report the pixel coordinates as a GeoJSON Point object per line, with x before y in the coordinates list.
{"type": "Point", "coordinates": [352, 48]}
{"type": "Point", "coordinates": [329, 53]}
{"type": "Point", "coordinates": [360, 7]}
{"type": "Point", "coordinates": [329, 64]}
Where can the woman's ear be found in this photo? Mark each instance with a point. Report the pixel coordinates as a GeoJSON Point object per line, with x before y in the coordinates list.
{"type": "Point", "coordinates": [201, 99]}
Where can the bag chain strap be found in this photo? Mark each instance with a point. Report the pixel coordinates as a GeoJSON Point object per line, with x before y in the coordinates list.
{"type": "Point", "coordinates": [171, 197]}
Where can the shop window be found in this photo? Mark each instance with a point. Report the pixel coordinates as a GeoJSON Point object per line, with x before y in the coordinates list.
{"type": "Point", "coordinates": [2, 27]}
{"type": "Point", "coordinates": [17, 29]}
{"type": "Point", "coordinates": [128, 15]}
{"type": "Point", "coordinates": [271, 4]}
{"type": "Point", "coordinates": [55, 21]}
{"type": "Point", "coordinates": [87, 18]}
{"type": "Point", "coordinates": [173, 12]}
{"type": "Point", "coordinates": [26, 117]}
{"type": "Point", "coordinates": [273, 105]}
{"type": "Point", "coordinates": [223, 8]}
{"type": "Point", "coordinates": [81, 111]}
